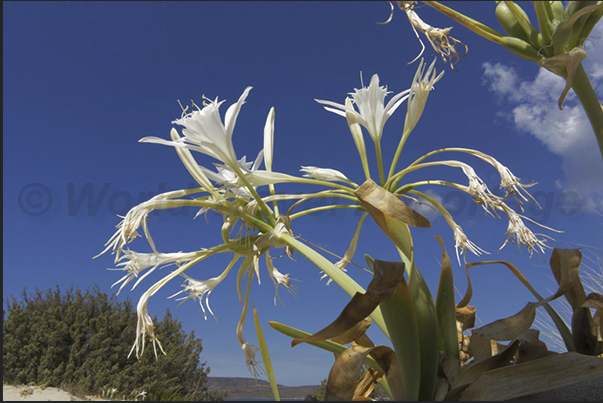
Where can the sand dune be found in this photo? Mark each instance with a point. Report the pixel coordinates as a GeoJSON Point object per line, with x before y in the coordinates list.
{"type": "Point", "coordinates": [37, 394]}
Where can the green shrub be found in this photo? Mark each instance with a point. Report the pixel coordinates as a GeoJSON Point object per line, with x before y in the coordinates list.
{"type": "Point", "coordinates": [80, 341]}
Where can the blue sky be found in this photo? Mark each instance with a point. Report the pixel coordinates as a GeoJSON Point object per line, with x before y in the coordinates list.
{"type": "Point", "coordinates": [84, 81]}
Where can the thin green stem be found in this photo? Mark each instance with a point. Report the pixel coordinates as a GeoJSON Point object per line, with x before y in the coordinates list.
{"type": "Point", "coordinates": [475, 26]}
{"type": "Point", "coordinates": [330, 184]}
{"type": "Point", "coordinates": [265, 209]}
{"type": "Point", "coordinates": [339, 277]}
{"type": "Point", "coordinates": [274, 202]}
{"type": "Point", "coordinates": [587, 96]}
{"type": "Point", "coordinates": [323, 208]}
{"type": "Point", "coordinates": [221, 208]}
{"type": "Point", "coordinates": [380, 161]}
{"type": "Point", "coordinates": [392, 168]}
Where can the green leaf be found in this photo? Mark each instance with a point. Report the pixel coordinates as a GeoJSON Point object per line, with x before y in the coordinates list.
{"type": "Point", "coordinates": [347, 283]}
{"type": "Point", "coordinates": [446, 309]}
{"type": "Point", "coordinates": [265, 355]}
{"type": "Point", "coordinates": [399, 315]}
{"type": "Point", "coordinates": [326, 345]}
{"type": "Point", "coordinates": [393, 219]}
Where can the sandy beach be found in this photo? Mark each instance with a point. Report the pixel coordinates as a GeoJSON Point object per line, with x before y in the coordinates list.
{"type": "Point", "coordinates": [37, 394]}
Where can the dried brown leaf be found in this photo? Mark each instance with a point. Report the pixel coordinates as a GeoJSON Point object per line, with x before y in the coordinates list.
{"type": "Point", "coordinates": [584, 331]}
{"type": "Point", "coordinates": [510, 328]}
{"type": "Point", "coordinates": [465, 317]}
{"type": "Point", "coordinates": [472, 371]}
{"type": "Point", "coordinates": [594, 301]}
{"type": "Point", "coordinates": [534, 376]}
{"type": "Point", "coordinates": [345, 373]}
{"type": "Point", "coordinates": [447, 372]}
{"type": "Point", "coordinates": [355, 333]}
{"type": "Point", "coordinates": [387, 360]}
{"type": "Point", "coordinates": [381, 288]}
{"type": "Point", "coordinates": [380, 203]}
{"type": "Point", "coordinates": [531, 348]}
{"type": "Point", "coordinates": [481, 347]}
{"type": "Point", "coordinates": [367, 383]}
{"type": "Point", "coordinates": [469, 293]}
{"type": "Point", "coordinates": [565, 264]}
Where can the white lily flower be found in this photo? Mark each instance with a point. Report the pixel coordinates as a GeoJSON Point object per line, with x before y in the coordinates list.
{"type": "Point", "coordinates": [372, 112]}
{"type": "Point", "coordinates": [136, 217]}
{"type": "Point", "coordinates": [253, 365]}
{"type": "Point", "coordinates": [278, 278]}
{"type": "Point", "coordinates": [508, 181]}
{"type": "Point", "coordinates": [477, 188]}
{"type": "Point", "coordinates": [422, 84]}
{"type": "Point", "coordinates": [518, 232]}
{"type": "Point", "coordinates": [439, 38]}
{"type": "Point", "coordinates": [326, 174]}
{"type": "Point", "coordinates": [145, 324]}
{"type": "Point", "coordinates": [463, 243]}
{"type": "Point", "coordinates": [138, 262]}
{"type": "Point", "coordinates": [227, 177]}
{"type": "Point", "coordinates": [270, 239]}
{"type": "Point", "coordinates": [204, 131]}
{"type": "Point", "coordinates": [197, 289]}
{"type": "Point", "coordinates": [269, 140]}
{"type": "Point", "coordinates": [191, 165]}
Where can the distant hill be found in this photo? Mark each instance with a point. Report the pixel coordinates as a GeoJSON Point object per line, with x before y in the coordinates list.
{"type": "Point", "coordinates": [249, 388]}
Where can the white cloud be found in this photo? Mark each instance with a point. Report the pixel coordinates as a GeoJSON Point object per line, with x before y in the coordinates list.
{"type": "Point", "coordinates": [567, 132]}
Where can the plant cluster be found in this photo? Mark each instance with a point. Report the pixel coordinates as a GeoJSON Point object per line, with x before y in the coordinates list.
{"type": "Point", "coordinates": [432, 356]}
{"type": "Point", "coordinates": [79, 341]}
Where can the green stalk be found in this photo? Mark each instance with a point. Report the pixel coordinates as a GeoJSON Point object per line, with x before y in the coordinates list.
{"type": "Point", "coordinates": [475, 26]}
{"type": "Point", "coordinates": [274, 202]}
{"type": "Point", "coordinates": [400, 316]}
{"type": "Point", "coordinates": [322, 208]}
{"type": "Point", "coordinates": [380, 161]}
{"type": "Point", "coordinates": [392, 168]}
{"type": "Point", "coordinates": [265, 209]}
{"type": "Point", "coordinates": [344, 281]}
{"type": "Point", "coordinates": [265, 356]}
{"type": "Point", "coordinates": [587, 96]}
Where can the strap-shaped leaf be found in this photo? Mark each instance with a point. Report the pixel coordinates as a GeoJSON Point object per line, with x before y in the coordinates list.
{"type": "Point", "coordinates": [265, 355]}
{"type": "Point", "coordinates": [565, 264]}
{"type": "Point", "coordinates": [381, 288]}
{"type": "Point", "coordinates": [380, 203]}
{"type": "Point", "coordinates": [446, 309]}
{"type": "Point", "coordinates": [510, 328]}
{"type": "Point", "coordinates": [534, 376]}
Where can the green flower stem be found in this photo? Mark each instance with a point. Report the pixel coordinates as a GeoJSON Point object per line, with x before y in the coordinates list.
{"type": "Point", "coordinates": [437, 205]}
{"type": "Point", "coordinates": [399, 175]}
{"type": "Point", "coordinates": [309, 181]}
{"type": "Point", "coordinates": [323, 208]}
{"type": "Point", "coordinates": [265, 209]}
{"type": "Point", "coordinates": [543, 11]}
{"type": "Point", "coordinates": [475, 26]}
{"type": "Point", "coordinates": [587, 96]}
{"type": "Point", "coordinates": [343, 280]}
{"type": "Point", "coordinates": [380, 162]}
{"type": "Point", "coordinates": [408, 186]}
{"type": "Point", "coordinates": [274, 202]}
{"type": "Point", "coordinates": [392, 168]}
{"type": "Point", "coordinates": [302, 197]}
{"type": "Point", "coordinates": [221, 208]}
